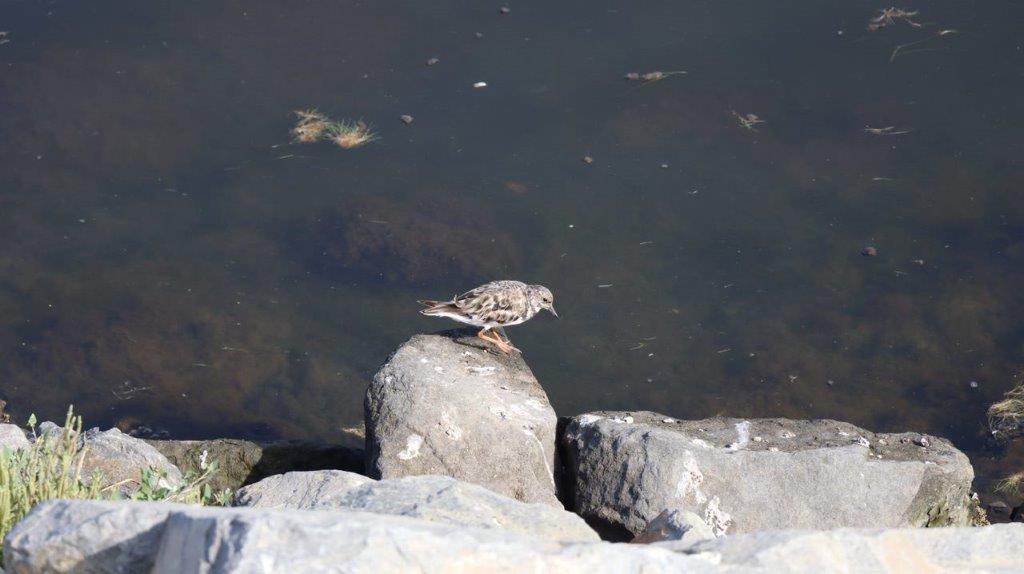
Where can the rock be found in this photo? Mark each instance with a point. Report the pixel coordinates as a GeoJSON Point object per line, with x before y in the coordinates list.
{"type": "Point", "coordinates": [121, 458]}
{"type": "Point", "coordinates": [13, 437]}
{"type": "Point", "coordinates": [801, 474]}
{"type": "Point", "coordinates": [96, 536]}
{"type": "Point", "coordinates": [452, 405]}
{"type": "Point", "coordinates": [118, 457]}
{"type": "Point", "coordinates": [990, 549]}
{"type": "Point", "coordinates": [242, 462]}
{"type": "Point", "coordinates": [116, 537]}
{"type": "Point", "coordinates": [434, 498]}
{"type": "Point", "coordinates": [675, 525]}
{"type": "Point", "coordinates": [310, 490]}
{"type": "Point", "coordinates": [87, 536]}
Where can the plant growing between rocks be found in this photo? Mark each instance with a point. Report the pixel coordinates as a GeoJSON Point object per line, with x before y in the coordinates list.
{"type": "Point", "coordinates": [51, 468]}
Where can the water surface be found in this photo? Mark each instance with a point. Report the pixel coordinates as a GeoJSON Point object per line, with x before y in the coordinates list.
{"type": "Point", "coordinates": [171, 259]}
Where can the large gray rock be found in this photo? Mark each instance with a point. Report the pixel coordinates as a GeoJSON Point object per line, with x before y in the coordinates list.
{"type": "Point", "coordinates": [312, 490]}
{"type": "Point", "coordinates": [12, 437]}
{"type": "Point", "coordinates": [434, 498]}
{"type": "Point", "coordinates": [746, 475]}
{"type": "Point", "coordinates": [87, 536]}
{"type": "Point", "coordinates": [116, 537]}
{"type": "Point", "coordinates": [990, 549]}
{"type": "Point", "coordinates": [121, 458]}
{"type": "Point", "coordinates": [242, 462]}
{"type": "Point", "coordinates": [451, 405]}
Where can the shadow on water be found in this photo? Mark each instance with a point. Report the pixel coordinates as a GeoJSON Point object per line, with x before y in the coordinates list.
{"type": "Point", "coordinates": [172, 260]}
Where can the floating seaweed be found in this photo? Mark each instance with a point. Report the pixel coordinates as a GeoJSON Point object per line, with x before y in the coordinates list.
{"type": "Point", "coordinates": [890, 16]}
{"type": "Point", "coordinates": [886, 131]}
{"type": "Point", "coordinates": [901, 49]}
{"type": "Point", "coordinates": [748, 121]}
{"type": "Point", "coordinates": [654, 76]}
{"type": "Point", "coordinates": [314, 126]}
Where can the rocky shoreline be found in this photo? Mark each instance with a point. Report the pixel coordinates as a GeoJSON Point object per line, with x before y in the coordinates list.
{"type": "Point", "coordinates": [467, 467]}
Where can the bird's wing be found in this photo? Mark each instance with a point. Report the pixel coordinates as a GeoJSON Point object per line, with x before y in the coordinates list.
{"type": "Point", "coordinates": [498, 305]}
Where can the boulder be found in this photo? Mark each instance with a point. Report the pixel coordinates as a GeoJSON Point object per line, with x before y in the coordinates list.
{"type": "Point", "coordinates": [87, 536]}
{"type": "Point", "coordinates": [115, 537]}
{"type": "Point", "coordinates": [310, 490]}
{"type": "Point", "coordinates": [452, 405]}
{"type": "Point", "coordinates": [989, 549]}
{"type": "Point", "coordinates": [121, 458]}
{"type": "Point", "coordinates": [435, 498]}
{"type": "Point", "coordinates": [242, 462]}
{"type": "Point", "coordinates": [746, 475]}
{"type": "Point", "coordinates": [675, 525]}
{"type": "Point", "coordinates": [13, 437]}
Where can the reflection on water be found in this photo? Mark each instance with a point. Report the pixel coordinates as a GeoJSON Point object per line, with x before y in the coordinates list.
{"type": "Point", "coordinates": [172, 258]}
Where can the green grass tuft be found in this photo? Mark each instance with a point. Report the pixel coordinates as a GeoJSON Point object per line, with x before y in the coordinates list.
{"type": "Point", "coordinates": [51, 468]}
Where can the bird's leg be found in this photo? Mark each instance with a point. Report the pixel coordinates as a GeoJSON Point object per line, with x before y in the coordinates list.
{"type": "Point", "coordinates": [507, 348]}
{"type": "Point", "coordinates": [504, 336]}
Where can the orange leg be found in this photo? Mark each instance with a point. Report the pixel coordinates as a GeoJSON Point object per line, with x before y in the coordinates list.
{"type": "Point", "coordinates": [493, 337]}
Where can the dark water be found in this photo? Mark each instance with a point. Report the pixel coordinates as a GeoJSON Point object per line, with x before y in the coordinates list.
{"type": "Point", "coordinates": [171, 259]}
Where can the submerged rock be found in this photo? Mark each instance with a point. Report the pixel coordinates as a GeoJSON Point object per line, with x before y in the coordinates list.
{"type": "Point", "coordinates": [746, 475]}
{"type": "Point", "coordinates": [242, 462]}
{"type": "Point", "coordinates": [434, 498]}
{"type": "Point", "coordinates": [451, 405]}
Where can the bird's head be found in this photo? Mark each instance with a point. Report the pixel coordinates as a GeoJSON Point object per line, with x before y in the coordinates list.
{"type": "Point", "coordinates": [542, 298]}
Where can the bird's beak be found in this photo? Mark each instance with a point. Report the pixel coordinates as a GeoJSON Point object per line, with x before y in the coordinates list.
{"type": "Point", "coordinates": [552, 309]}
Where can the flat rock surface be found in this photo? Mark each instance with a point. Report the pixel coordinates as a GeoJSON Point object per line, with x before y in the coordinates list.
{"type": "Point", "coordinates": [311, 490]}
{"type": "Point", "coordinates": [745, 475]}
{"type": "Point", "coordinates": [453, 405]}
{"type": "Point", "coordinates": [435, 498]}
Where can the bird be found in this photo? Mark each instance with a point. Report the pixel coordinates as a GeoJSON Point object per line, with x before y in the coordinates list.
{"type": "Point", "coordinates": [493, 305]}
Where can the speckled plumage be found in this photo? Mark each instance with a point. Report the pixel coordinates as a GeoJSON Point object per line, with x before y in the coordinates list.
{"type": "Point", "coordinates": [495, 304]}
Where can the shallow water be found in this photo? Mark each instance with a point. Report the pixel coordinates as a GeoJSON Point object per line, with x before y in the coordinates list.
{"type": "Point", "coordinates": [171, 259]}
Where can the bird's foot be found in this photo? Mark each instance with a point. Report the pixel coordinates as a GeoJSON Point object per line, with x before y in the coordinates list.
{"type": "Point", "coordinates": [492, 337]}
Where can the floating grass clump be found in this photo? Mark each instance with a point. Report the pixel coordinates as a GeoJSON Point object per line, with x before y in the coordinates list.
{"type": "Point", "coordinates": [348, 135]}
{"type": "Point", "coordinates": [1011, 485]}
{"type": "Point", "coordinates": [314, 126]}
{"type": "Point", "coordinates": [51, 468]}
{"type": "Point", "coordinates": [311, 127]}
{"type": "Point", "coordinates": [1006, 418]}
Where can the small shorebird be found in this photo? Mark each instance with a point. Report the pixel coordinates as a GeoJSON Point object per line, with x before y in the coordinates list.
{"type": "Point", "coordinates": [492, 305]}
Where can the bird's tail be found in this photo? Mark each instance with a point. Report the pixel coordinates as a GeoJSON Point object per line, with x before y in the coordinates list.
{"type": "Point", "coordinates": [433, 307]}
